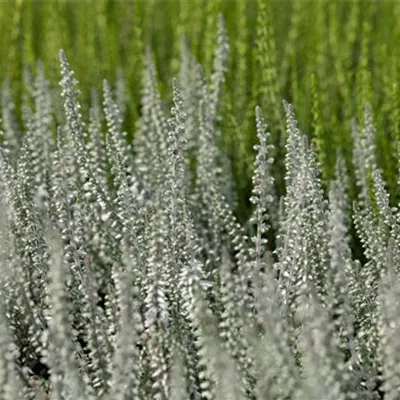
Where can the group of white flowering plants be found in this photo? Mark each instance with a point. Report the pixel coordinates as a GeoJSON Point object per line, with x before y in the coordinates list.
{"type": "Point", "coordinates": [125, 273]}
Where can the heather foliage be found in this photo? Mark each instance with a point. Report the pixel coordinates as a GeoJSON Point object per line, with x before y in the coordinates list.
{"type": "Point", "coordinates": [330, 68]}
{"type": "Point", "coordinates": [126, 273]}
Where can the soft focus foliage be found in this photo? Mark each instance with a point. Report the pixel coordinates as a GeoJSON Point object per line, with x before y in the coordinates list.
{"type": "Point", "coordinates": [330, 68]}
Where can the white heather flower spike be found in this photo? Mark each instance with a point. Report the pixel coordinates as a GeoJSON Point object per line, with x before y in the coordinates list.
{"type": "Point", "coordinates": [262, 189]}
{"type": "Point", "coordinates": [70, 94]}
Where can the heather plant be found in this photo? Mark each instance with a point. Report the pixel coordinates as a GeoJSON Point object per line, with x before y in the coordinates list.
{"type": "Point", "coordinates": [126, 272]}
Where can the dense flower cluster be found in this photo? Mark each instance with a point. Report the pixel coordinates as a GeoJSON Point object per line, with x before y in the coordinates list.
{"type": "Point", "coordinates": [125, 273]}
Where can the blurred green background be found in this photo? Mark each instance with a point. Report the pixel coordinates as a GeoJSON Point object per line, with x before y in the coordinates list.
{"type": "Point", "coordinates": [329, 58]}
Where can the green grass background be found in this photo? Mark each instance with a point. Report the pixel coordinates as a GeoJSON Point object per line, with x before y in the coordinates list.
{"type": "Point", "coordinates": [327, 57]}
